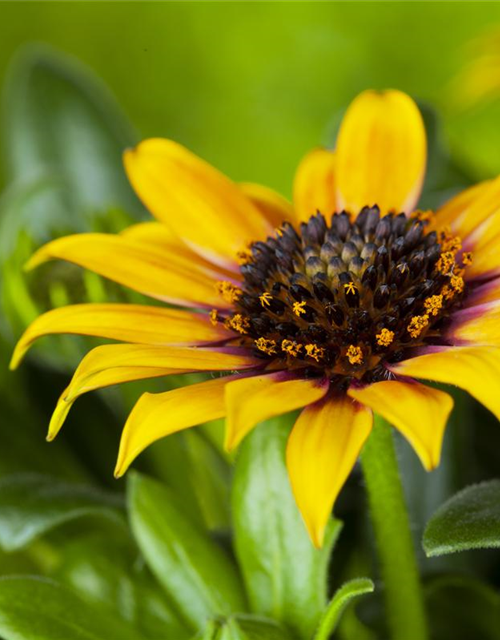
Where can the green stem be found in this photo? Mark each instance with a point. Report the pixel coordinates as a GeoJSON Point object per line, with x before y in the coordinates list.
{"type": "Point", "coordinates": [404, 602]}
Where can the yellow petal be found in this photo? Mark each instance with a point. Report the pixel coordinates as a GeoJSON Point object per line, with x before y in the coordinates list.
{"type": "Point", "coordinates": [124, 322]}
{"type": "Point", "coordinates": [100, 380]}
{"type": "Point", "coordinates": [252, 400]}
{"type": "Point", "coordinates": [118, 363]}
{"type": "Point", "coordinates": [475, 369]}
{"type": "Point", "coordinates": [418, 411]}
{"type": "Point", "coordinates": [155, 234]}
{"type": "Point", "coordinates": [477, 325]}
{"type": "Point", "coordinates": [322, 449]}
{"type": "Point", "coordinates": [198, 202]}
{"type": "Point", "coordinates": [484, 204]}
{"type": "Point", "coordinates": [157, 415]}
{"type": "Point", "coordinates": [487, 292]}
{"type": "Point", "coordinates": [166, 277]}
{"type": "Point", "coordinates": [273, 206]}
{"type": "Point", "coordinates": [381, 153]}
{"type": "Point", "coordinates": [458, 206]}
{"type": "Point", "coordinates": [483, 243]}
{"type": "Point", "coordinates": [158, 236]}
{"type": "Point", "coordinates": [313, 186]}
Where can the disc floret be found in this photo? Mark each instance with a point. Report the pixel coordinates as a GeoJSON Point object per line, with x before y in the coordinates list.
{"type": "Point", "coordinates": [344, 298]}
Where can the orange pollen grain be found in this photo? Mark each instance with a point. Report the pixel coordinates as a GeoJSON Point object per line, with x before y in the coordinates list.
{"type": "Point", "coordinates": [229, 291]}
{"type": "Point", "coordinates": [446, 262]}
{"type": "Point", "coordinates": [244, 256]}
{"type": "Point", "coordinates": [350, 288]}
{"type": "Point", "coordinates": [291, 347]}
{"type": "Point", "coordinates": [457, 283]}
{"type": "Point", "coordinates": [417, 325]}
{"type": "Point", "coordinates": [467, 258]}
{"type": "Point", "coordinates": [265, 299]}
{"type": "Point", "coordinates": [354, 354]}
{"type": "Point", "coordinates": [239, 323]}
{"type": "Point", "coordinates": [433, 304]}
{"type": "Point", "coordinates": [452, 244]}
{"type": "Point", "coordinates": [267, 346]}
{"type": "Point", "coordinates": [214, 317]}
{"type": "Point", "coordinates": [298, 308]}
{"type": "Point", "coordinates": [423, 216]}
{"type": "Point", "coordinates": [385, 337]}
{"type": "Point", "coordinates": [315, 352]}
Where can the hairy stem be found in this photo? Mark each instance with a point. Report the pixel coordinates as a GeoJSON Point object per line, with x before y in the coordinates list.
{"type": "Point", "coordinates": [403, 595]}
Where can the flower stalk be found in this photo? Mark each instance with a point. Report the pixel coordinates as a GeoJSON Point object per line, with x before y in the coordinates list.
{"type": "Point", "coordinates": [404, 601]}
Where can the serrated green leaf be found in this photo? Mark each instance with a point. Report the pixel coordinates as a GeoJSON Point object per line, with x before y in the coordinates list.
{"type": "Point", "coordinates": [468, 520]}
{"type": "Point", "coordinates": [343, 596]}
{"type": "Point", "coordinates": [31, 505]}
{"type": "Point", "coordinates": [40, 609]}
{"type": "Point", "coordinates": [285, 575]}
{"type": "Point", "coordinates": [194, 571]}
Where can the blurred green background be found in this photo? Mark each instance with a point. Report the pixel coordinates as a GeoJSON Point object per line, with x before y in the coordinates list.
{"type": "Point", "coordinates": [250, 87]}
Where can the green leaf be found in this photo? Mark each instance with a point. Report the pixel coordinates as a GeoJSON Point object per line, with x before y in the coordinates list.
{"type": "Point", "coordinates": [104, 571]}
{"type": "Point", "coordinates": [31, 505]}
{"type": "Point", "coordinates": [245, 627]}
{"type": "Point", "coordinates": [22, 449]}
{"type": "Point", "coordinates": [39, 609]}
{"type": "Point", "coordinates": [63, 122]}
{"type": "Point", "coordinates": [284, 574]}
{"type": "Point", "coordinates": [63, 137]}
{"type": "Point", "coordinates": [462, 608]}
{"type": "Point", "coordinates": [192, 467]}
{"type": "Point", "coordinates": [468, 520]}
{"type": "Point", "coordinates": [343, 596]}
{"type": "Point", "coordinates": [194, 571]}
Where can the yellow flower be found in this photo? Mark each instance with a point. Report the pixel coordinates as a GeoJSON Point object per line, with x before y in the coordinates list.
{"type": "Point", "coordinates": [364, 242]}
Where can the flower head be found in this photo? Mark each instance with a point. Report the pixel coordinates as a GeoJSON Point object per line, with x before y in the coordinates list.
{"type": "Point", "coordinates": [334, 305]}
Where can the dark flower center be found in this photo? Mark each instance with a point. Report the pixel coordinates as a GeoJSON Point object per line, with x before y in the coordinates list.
{"type": "Point", "coordinates": [343, 298]}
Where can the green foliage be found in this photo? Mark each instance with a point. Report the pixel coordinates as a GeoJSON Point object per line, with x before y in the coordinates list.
{"type": "Point", "coordinates": [104, 570]}
{"type": "Point", "coordinates": [244, 628]}
{"type": "Point", "coordinates": [40, 609]}
{"type": "Point", "coordinates": [463, 608]}
{"type": "Point", "coordinates": [32, 505]}
{"type": "Point", "coordinates": [270, 535]}
{"type": "Point", "coordinates": [468, 520]}
{"type": "Point", "coordinates": [346, 593]}
{"type": "Point", "coordinates": [194, 570]}
{"type": "Point", "coordinates": [63, 133]}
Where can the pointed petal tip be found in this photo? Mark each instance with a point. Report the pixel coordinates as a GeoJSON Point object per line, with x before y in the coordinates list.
{"type": "Point", "coordinates": [119, 471]}
{"type": "Point", "coordinates": [15, 359]}
{"type": "Point", "coordinates": [122, 462]}
{"type": "Point", "coordinates": [231, 442]}
{"type": "Point", "coordinates": [317, 536]}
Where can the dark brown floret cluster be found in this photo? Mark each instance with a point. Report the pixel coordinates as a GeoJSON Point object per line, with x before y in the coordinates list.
{"type": "Point", "coordinates": [342, 298]}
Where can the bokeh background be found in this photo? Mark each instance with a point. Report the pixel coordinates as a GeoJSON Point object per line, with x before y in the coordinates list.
{"type": "Point", "coordinates": [250, 87]}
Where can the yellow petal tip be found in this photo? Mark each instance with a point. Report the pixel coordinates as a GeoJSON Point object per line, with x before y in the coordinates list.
{"type": "Point", "coordinates": [119, 472]}
{"type": "Point", "coordinates": [15, 360]}
{"type": "Point", "coordinates": [317, 536]}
